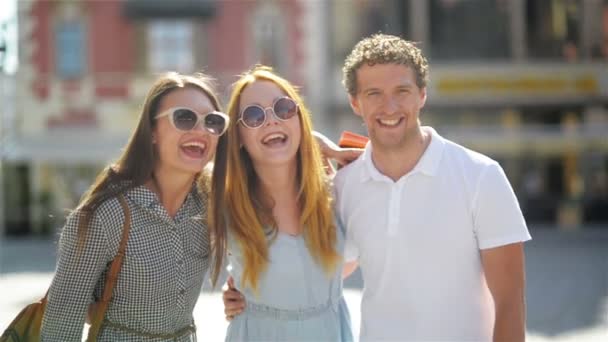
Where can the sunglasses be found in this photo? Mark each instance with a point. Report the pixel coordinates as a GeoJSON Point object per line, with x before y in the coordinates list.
{"type": "Point", "coordinates": [254, 116]}
{"type": "Point", "coordinates": [185, 119]}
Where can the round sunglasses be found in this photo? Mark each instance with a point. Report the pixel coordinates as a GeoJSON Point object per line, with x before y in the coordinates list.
{"type": "Point", "coordinates": [186, 119]}
{"type": "Point", "coordinates": [254, 116]}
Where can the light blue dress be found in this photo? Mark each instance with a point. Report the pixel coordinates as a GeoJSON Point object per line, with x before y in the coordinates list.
{"type": "Point", "coordinates": [296, 301]}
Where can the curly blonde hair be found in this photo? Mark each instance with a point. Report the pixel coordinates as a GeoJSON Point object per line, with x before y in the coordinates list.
{"type": "Point", "coordinates": [384, 49]}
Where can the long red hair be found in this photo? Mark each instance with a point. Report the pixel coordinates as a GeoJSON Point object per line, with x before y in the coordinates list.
{"type": "Point", "coordinates": [235, 197]}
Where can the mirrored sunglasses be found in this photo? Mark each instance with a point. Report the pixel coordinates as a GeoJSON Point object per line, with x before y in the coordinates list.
{"type": "Point", "coordinates": [254, 116]}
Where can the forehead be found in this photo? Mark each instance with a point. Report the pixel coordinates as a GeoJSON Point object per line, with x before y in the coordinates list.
{"type": "Point", "coordinates": [384, 75]}
{"type": "Point", "coordinates": [190, 97]}
{"type": "Point", "coordinates": [260, 92]}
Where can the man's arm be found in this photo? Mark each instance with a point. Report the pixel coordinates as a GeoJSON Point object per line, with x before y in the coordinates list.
{"type": "Point", "coordinates": [234, 302]}
{"type": "Point", "coordinates": [349, 268]}
{"type": "Point", "coordinates": [505, 275]}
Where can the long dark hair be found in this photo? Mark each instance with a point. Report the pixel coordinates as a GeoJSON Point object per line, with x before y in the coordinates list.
{"type": "Point", "coordinates": [135, 165]}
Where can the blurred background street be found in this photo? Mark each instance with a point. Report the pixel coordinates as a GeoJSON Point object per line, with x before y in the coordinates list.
{"type": "Point", "coordinates": [567, 277]}
{"type": "Point", "coordinates": [522, 81]}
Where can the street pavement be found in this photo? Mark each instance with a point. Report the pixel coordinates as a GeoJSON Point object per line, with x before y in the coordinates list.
{"type": "Point", "coordinates": [567, 286]}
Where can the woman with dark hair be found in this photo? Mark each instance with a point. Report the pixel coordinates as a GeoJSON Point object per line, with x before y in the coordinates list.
{"type": "Point", "coordinates": [168, 249]}
{"type": "Point", "coordinates": [272, 209]}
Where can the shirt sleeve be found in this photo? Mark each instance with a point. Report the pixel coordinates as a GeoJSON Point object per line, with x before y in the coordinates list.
{"type": "Point", "coordinates": [351, 252]}
{"type": "Point", "coordinates": [498, 219]}
{"type": "Point", "coordinates": [75, 278]}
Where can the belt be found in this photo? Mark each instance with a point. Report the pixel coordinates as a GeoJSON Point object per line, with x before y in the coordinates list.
{"type": "Point", "coordinates": [188, 329]}
{"type": "Point", "coordinates": [287, 314]}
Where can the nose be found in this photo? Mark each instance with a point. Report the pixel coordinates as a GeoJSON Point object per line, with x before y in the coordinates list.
{"type": "Point", "coordinates": [200, 126]}
{"type": "Point", "coordinates": [391, 105]}
{"type": "Point", "coordinates": [271, 117]}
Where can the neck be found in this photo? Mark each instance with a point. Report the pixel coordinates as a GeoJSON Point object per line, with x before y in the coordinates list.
{"type": "Point", "coordinates": [278, 182]}
{"type": "Point", "coordinates": [171, 188]}
{"type": "Point", "coordinates": [396, 163]}
{"type": "Point", "coordinates": [279, 185]}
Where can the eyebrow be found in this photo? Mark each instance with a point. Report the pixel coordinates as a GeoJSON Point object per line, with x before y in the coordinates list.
{"type": "Point", "coordinates": [252, 104]}
{"type": "Point", "coordinates": [405, 86]}
{"type": "Point", "coordinates": [367, 90]}
{"type": "Point", "coordinates": [271, 103]}
{"type": "Point", "coordinates": [401, 86]}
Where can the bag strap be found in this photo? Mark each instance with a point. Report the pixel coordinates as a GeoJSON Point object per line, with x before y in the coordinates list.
{"type": "Point", "coordinates": [112, 275]}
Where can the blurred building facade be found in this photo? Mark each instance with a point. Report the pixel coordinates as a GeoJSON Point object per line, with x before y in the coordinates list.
{"type": "Point", "coordinates": [85, 67]}
{"type": "Point", "coordinates": [524, 81]}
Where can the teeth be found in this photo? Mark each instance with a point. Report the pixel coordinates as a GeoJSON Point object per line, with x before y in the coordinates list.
{"type": "Point", "coordinates": [389, 122]}
{"type": "Point", "coordinates": [273, 136]}
{"type": "Point", "coordinates": [196, 144]}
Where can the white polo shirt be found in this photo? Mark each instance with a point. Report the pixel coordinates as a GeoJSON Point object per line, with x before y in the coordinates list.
{"type": "Point", "coordinates": [418, 242]}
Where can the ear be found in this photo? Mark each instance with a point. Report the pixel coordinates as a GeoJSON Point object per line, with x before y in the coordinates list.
{"type": "Point", "coordinates": [153, 139]}
{"type": "Point", "coordinates": [354, 104]}
{"type": "Point", "coordinates": [422, 97]}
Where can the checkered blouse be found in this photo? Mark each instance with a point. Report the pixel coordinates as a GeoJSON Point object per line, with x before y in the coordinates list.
{"type": "Point", "coordinates": [160, 281]}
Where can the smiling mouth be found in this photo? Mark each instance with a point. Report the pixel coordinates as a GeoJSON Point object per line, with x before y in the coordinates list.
{"type": "Point", "coordinates": [274, 139]}
{"type": "Point", "coordinates": [194, 149]}
{"type": "Point", "coordinates": [390, 122]}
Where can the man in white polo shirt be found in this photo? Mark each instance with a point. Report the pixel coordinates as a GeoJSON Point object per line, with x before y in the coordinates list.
{"type": "Point", "coordinates": [435, 227]}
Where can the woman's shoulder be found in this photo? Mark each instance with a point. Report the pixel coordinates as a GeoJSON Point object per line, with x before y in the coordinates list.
{"type": "Point", "coordinates": [111, 207]}
{"type": "Point", "coordinates": [112, 216]}
{"type": "Point", "coordinates": [106, 209]}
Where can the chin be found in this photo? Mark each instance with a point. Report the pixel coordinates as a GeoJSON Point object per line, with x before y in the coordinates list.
{"type": "Point", "coordinates": [193, 168]}
{"type": "Point", "coordinates": [279, 160]}
{"type": "Point", "coordinates": [388, 142]}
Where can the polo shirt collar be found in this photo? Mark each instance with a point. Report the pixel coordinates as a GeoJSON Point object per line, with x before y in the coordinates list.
{"type": "Point", "coordinates": [369, 171]}
{"type": "Point", "coordinates": [428, 163]}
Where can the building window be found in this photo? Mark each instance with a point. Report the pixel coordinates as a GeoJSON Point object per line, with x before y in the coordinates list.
{"type": "Point", "coordinates": [553, 29]}
{"type": "Point", "coordinates": [170, 46]}
{"type": "Point", "coordinates": [71, 49]}
{"type": "Point", "coordinates": [269, 35]}
{"type": "Point", "coordinates": [469, 29]}
{"type": "Point", "coordinates": [354, 20]}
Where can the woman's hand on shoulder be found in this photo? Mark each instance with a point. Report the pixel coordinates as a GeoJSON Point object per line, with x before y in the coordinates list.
{"type": "Point", "coordinates": [331, 151]}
